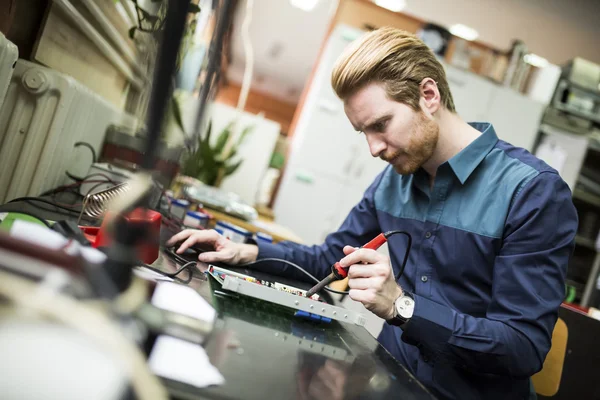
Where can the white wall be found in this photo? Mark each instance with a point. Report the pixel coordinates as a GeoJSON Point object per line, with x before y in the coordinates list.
{"type": "Point", "coordinates": [555, 29]}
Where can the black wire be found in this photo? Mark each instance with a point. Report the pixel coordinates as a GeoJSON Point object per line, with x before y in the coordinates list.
{"type": "Point", "coordinates": [386, 234]}
{"type": "Point", "coordinates": [31, 215]}
{"type": "Point", "coordinates": [406, 253]}
{"type": "Point", "coordinates": [30, 199]}
{"type": "Point", "coordinates": [299, 268]}
{"type": "Point", "coordinates": [89, 146]}
{"type": "Point", "coordinates": [173, 275]}
{"type": "Point", "coordinates": [78, 179]}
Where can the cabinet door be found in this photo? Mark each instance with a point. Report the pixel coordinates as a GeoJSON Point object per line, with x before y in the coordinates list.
{"type": "Point", "coordinates": [324, 137]}
{"type": "Point", "coordinates": [364, 168]}
{"type": "Point", "coordinates": [472, 94]}
{"type": "Point", "coordinates": [516, 118]}
{"type": "Point", "coordinates": [327, 141]}
{"type": "Point", "coordinates": [308, 203]}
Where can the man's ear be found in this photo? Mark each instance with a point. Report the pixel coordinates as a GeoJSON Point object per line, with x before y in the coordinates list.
{"type": "Point", "coordinates": [431, 100]}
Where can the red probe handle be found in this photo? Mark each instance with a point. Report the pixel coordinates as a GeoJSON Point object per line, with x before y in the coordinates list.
{"type": "Point", "coordinates": [341, 272]}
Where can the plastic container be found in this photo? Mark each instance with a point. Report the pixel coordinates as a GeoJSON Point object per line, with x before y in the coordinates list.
{"type": "Point", "coordinates": [179, 209]}
{"type": "Point", "coordinates": [263, 237]}
{"type": "Point", "coordinates": [233, 232]}
{"type": "Point", "coordinates": [195, 220]}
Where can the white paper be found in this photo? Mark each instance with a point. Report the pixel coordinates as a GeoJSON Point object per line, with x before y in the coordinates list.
{"type": "Point", "coordinates": [183, 300]}
{"type": "Point", "coordinates": [183, 361]}
{"type": "Point", "coordinates": [42, 236]}
{"type": "Point", "coordinates": [150, 275]}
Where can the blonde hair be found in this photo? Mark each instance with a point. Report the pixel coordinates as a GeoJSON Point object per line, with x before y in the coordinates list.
{"type": "Point", "coordinates": [397, 59]}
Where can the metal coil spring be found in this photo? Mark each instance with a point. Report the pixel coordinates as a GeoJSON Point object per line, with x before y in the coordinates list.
{"type": "Point", "coordinates": [95, 204]}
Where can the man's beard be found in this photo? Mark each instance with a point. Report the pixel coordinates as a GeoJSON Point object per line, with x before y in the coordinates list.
{"type": "Point", "coordinates": [424, 138]}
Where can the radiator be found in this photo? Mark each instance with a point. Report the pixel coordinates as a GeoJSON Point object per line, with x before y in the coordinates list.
{"type": "Point", "coordinates": [8, 57]}
{"type": "Point", "coordinates": [44, 114]}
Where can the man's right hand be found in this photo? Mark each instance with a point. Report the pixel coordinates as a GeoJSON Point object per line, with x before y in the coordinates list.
{"type": "Point", "coordinates": [224, 250]}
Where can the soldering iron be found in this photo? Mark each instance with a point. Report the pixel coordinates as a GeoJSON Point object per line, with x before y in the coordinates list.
{"type": "Point", "coordinates": [338, 272]}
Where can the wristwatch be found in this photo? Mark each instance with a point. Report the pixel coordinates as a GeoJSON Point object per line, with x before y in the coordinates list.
{"type": "Point", "coordinates": [404, 307]}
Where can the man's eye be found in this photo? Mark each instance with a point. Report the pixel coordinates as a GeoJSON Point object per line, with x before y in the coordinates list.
{"type": "Point", "coordinates": [380, 126]}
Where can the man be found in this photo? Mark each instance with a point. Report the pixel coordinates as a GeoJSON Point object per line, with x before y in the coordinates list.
{"type": "Point", "coordinates": [493, 229]}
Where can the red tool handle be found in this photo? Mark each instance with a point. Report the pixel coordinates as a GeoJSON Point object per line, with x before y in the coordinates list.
{"type": "Point", "coordinates": [341, 272]}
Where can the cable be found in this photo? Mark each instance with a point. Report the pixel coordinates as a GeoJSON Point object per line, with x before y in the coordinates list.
{"type": "Point", "coordinates": [173, 275]}
{"type": "Point", "coordinates": [299, 268]}
{"type": "Point", "coordinates": [78, 179]}
{"type": "Point", "coordinates": [386, 234]}
{"type": "Point", "coordinates": [89, 146]}
{"type": "Point", "coordinates": [31, 215]}
{"type": "Point", "coordinates": [30, 199]}
{"type": "Point", "coordinates": [406, 253]}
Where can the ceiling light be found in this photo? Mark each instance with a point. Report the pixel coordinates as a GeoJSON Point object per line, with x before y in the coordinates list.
{"type": "Point", "coordinates": [305, 5]}
{"type": "Point", "coordinates": [535, 60]}
{"type": "Point", "coordinates": [464, 32]}
{"type": "Point", "coordinates": [392, 5]}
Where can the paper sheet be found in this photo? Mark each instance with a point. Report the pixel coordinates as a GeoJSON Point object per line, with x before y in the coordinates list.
{"type": "Point", "coordinates": [183, 300]}
{"type": "Point", "coordinates": [150, 275]}
{"type": "Point", "coordinates": [183, 361]}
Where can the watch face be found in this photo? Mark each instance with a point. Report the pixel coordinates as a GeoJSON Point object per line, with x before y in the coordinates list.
{"type": "Point", "coordinates": [405, 306]}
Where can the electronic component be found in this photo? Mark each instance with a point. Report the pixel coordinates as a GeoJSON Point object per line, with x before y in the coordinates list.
{"type": "Point", "coordinates": [290, 297]}
{"type": "Point", "coordinates": [221, 273]}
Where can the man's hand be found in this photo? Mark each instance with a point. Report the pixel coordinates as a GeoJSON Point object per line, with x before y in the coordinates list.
{"type": "Point", "coordinates": [371, 280]}
{"type": "Point", "coordinates": [225, 250]}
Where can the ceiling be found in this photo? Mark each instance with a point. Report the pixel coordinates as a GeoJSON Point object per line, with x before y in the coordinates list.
{"type": "Point", "coordinates": [285, 40]}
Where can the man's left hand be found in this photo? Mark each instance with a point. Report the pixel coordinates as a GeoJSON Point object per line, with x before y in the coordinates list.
{"type": "Point", "coordinates": [371, 280]}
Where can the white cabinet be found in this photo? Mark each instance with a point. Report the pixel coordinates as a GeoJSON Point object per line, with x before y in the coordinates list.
{"type": "Point", "coordinates": [516, 118]}
{"type": "Point", "coordinates": [472, 94]}
{"type": "Point", "coordinates": [308, 203]}
{"type": "Point", "coordinates": [330, 165]}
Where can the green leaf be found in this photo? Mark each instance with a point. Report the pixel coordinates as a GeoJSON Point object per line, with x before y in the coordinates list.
{"type": "Point", "coordinates": [208, 157]}
{"type": "Point", "coordinates": [245, 132]}
{"type": "Point", "coordinates": [194, 8]}
{"type": "Point", "coordinates": [132, 32]}
{"type": "Point", "coordinates": [223, 138]}
{"type": "Point", "coordinates": [230, 169]}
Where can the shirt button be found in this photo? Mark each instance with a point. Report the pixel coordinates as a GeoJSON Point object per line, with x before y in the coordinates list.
{"type": "Point", "coordinates": [424, 278]}
{"type": "Point", "coordinates": [428, 235]}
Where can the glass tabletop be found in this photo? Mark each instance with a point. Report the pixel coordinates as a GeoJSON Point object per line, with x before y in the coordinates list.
{"type": "Point", "coordinates": [265, 352]}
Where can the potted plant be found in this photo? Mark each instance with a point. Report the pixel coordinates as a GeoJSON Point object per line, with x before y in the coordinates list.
{"type": "Point", "coordinates": [211, 163]}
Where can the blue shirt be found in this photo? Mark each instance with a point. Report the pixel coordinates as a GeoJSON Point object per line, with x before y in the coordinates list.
{"type": "Point", "coordinates": [491, 243]}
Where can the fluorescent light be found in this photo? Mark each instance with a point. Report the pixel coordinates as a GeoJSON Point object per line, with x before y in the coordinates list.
{"type": "Point", "coordinates": [535, 60]}
{"type": "Point", "coordinates": [464, 32]}
{"type": "Point", "coordinates": [392, 5]}
{"type": "Point", "coordinates": [305, 5]}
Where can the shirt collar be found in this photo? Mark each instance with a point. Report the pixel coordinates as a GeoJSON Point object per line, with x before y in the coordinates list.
{"type": "Point", "coordinates": [465, 162]}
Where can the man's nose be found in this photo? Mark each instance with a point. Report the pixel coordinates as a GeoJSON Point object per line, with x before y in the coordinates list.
{"type": "Point", "coordinates": [376, 145]}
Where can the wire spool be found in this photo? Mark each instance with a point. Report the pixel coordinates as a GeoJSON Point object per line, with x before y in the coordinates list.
{"type": "Point", "coordinates": [95, 204]}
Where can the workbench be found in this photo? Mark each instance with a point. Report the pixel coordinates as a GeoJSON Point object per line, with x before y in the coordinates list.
{"type": "Point", "coordinates": [279, 356]}
{"type": "Point", "coordinates": [265, 352]}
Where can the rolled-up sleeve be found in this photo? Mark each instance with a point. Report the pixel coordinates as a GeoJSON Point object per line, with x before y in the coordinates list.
{"type": "Point", "coordinates": [528, 287]}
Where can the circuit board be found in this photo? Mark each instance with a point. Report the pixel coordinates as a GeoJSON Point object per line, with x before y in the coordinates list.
{"type": "Point", "coordinates": [311, 308]}
{"type": "Point", "coordinates": [221, 273]}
